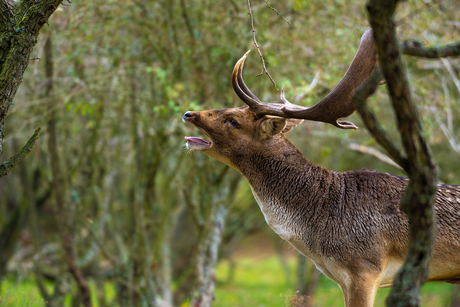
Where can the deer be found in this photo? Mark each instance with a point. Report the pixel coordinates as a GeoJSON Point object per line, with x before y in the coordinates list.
{"type": "Point", "coordinates": [348, 223]}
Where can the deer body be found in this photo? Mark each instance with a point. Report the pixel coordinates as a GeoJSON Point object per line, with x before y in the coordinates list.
{"type": "Point", "coordinates": [337, 218]}
{"type": "Point", "coordinates": [349, 224]}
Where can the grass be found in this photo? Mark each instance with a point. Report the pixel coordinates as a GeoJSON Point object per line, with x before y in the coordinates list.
{"type": "Point", "coordinates": [261, 283]}
{"type": "Point", "coordinates": [23, 294]}
{"type": "Point", "coordinates": [257, 283]}
{"type": "Point", "coordinates": [26, 294]}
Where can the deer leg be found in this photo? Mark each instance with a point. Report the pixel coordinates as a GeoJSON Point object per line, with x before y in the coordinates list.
{"type": "Point", "coordinates": [345, 294]}
{"type": "Point", "coordinates": [361, 292]}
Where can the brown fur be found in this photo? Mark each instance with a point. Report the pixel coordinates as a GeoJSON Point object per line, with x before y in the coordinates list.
{"type": "Point", "coordinates": [348, 223]}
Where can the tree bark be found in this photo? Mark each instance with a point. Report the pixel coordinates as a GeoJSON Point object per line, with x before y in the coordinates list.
{"type": "Point", "coordinates": [207, 259]}
{"type": "Point", "coordinates": [20, 25]}
{"type": "Point", "coordinates": [307, 281]}
{"type": "Point", "coordinates": [420, 194]}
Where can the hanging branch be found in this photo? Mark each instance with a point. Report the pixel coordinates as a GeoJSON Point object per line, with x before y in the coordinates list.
{"type": "Point", "coordinates": [276, 12]}
{"type": "Point", "coordinates": [264, 68]}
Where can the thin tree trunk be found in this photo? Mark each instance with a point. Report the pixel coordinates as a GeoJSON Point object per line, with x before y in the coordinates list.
{"type": "Point", "coordinates": [455, 298]}
{"type": "Point", "coordinates": [58, 186]}
{"type": "Point", "coordinates": [207, 259]}
{"type": "Point", "coordinates": [307, 281]}
{"type": "Point", "coordinates": [278, 245]}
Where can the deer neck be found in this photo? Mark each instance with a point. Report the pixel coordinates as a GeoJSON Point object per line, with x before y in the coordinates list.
{"type": "Point", "coordinates": [283, 176]}
{"type": "Point", "coordinates": [285, 184]}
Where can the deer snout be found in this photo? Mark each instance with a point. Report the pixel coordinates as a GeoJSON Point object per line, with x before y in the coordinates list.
{"type": "Point", "coordinates": [187, 115]}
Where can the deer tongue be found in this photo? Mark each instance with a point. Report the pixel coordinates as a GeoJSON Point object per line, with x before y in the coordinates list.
{"type": "Point", "coordinates": [196, 140]}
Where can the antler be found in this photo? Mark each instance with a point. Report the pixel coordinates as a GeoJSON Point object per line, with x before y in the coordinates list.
{"type": "Point", "coordinates": [337, 104]}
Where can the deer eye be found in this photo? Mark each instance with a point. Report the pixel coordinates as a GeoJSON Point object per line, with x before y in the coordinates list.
{"type": "Point", "coordinates": [234, 123]}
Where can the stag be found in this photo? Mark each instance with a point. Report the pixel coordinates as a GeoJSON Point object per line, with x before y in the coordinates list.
{"type": "Point", "coordinates": [349, 224]}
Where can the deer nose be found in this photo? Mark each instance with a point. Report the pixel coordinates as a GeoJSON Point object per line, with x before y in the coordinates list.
{"type": "Point", "coordinates": [187, 115]}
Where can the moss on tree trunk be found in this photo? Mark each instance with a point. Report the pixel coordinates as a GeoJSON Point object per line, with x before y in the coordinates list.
{"type": "Point", "coordinates": [19, 28]}
{"type": "Point", "coordinates": [420, 194]}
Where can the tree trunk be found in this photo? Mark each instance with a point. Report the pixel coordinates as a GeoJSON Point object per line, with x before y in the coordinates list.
{"type": "Point", "coordinates": [19, 27]}
{"type": "Point", "coordinates": [207, 259]}
{"type": "Point", "coordinates": [455, 298]}
{"type": "Point", "coordinates": [420, 194]}
{"type": "Point", "coordinates": [307, 282]}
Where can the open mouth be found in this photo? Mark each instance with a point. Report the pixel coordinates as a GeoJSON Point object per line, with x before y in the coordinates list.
{"type": "Point", "coordinates": [194, 143]}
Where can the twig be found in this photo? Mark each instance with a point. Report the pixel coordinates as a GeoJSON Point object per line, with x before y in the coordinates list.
{"type": "Point", "coordinates": [451, 72]}
{"type": "Point", "coordinates": [448, 109]}
{"type": "Point", "coordinates": [309, 88]}
{"type": "Point", "coordinates": [100, 247]}
{"type": "Point", "coordinates": [276, 12]}
{"type": "Point", "coordinates": [455, 24]}
{"type": "Point", "coordinates": [264, 69]}
{"type": "Point", "coordinates": [446, 51]}
{"type": "Point", "coordinates": [414, 13]}
{"type": "Point", "coordinates": [449, 136]}
{"type": "Point", "coordinates": [5, 167]}
{"type": "Point", "coordinates": [374, 152]}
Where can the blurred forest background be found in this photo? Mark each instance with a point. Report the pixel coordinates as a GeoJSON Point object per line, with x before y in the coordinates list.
{"type": "Point", "coordinates": [148, 222]}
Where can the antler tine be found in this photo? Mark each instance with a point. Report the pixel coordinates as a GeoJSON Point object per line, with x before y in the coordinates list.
{"type": "Point", "coordinates": [258, 107]}
{"type": "Point", "coordinates": [339, 102]}
{"type": "Point", "coordinates": [238, 83]}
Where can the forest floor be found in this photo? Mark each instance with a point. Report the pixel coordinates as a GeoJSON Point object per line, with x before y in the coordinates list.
{"type": "Point", "coordinates": [259, 280]}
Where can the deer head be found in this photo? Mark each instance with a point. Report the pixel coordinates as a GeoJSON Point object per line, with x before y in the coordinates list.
{"type": "Point", "coordinates": [236, 132]}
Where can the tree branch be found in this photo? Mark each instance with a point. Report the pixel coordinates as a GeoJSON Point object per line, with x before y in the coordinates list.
{"type": "Point", "coordinates": [370, 120]}
{"type": "Point", "coordinates": [415, 48]}
{"type": "Point", "coordinates": [5, 167]}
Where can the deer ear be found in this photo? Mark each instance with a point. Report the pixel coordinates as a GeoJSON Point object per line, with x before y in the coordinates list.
{"type": "Point", "coordinates": [273, 125]}
{"type": "Point", "coordinates": [290, 124]}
